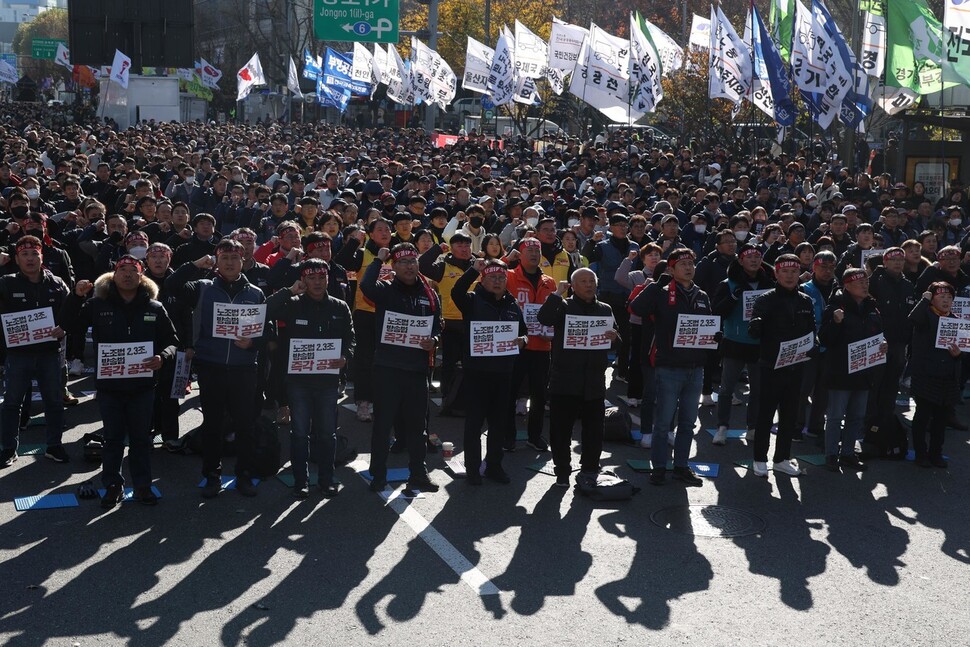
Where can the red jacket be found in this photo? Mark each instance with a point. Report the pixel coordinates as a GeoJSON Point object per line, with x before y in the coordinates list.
{"type": "Point", "coordinates": [521, 288]}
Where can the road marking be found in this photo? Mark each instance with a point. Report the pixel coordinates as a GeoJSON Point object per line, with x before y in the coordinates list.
{"type": "Point", "coordinates": [450, 555]}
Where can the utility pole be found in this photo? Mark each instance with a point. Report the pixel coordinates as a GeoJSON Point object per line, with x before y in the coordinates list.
{"type": "Point", "coordinates": [848, 144]}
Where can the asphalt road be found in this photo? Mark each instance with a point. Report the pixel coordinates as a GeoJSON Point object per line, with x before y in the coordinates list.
{"type": "Point", "coordinates": [880, 557]}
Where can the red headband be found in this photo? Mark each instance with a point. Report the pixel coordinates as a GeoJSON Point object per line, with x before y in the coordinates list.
{"type": "Point", "coordinates": [526, 242]}
{"type": "Point", "coordinates": [401, 254]}
{"type": "Point", "coordinates": [941, 286]}
{"type": "Point", "coordinates": [748, 251]}
{"type": "Point", "coordinates": [676, 257]}
{"type": "Point", "coordinates": [128, 260]}
{"type": "Point", "coordinates": [311, 269]}
{"type": "Point", "coordinates": [946, 253]}
{"type": "Point", "coordinates": [782, 265]}
{"type": "Point", "coordinates": [314, 245]}
{"type": "Point", "coordinates": [28, 244]}
{"type": "Point", "coordinates": [242, 237]}
{"type": "Point", "coordinates": [848, 278]}
{"type": "Point", "coordinates": [226, 250]}
{"type": "Point", "coordinates": [492, 269]}
{"type": "Point", "coordinates": [893, 253]}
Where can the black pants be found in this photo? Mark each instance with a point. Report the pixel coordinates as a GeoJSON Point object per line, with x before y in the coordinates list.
{"type": "Point", "coordinates": [929, 418]}
{"type": "Point", "coordinates": [882, 396]}
{"type": "Point", "coordinates": [814, 385]}
{"type": "Point", "coordinates": [490, 402]}
{"type": "Point", "coordinates": [779, 392]}
{"type": "Point", "coordinates": [165, 413]}
{"type": "Point", "coordinates": [622, 318]}
{"type": "Point", "coordinates": [634, 376]}
{"type": "Point", "coordinates": [452, 338]}
{"type": "Point", "coordinates": [563, 413]}
{"type": "Point", "coordinates": [75, 345]}
{"type": "Point", "coordinates": [227, 391]}
{"type": "Point", "coordinates": [534, 365]}
{"type": "Point", "coordinates": [365, 329]}
{"type": "Point", "coordinates": [401, 402]}
{"type": "Point", "coordinates": [712, 371]}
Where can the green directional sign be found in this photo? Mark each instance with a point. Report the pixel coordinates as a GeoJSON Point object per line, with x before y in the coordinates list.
{"type": "Point", "coordinates": [45, 47]}
{"type": "Point", "coordinates": [362, 21]}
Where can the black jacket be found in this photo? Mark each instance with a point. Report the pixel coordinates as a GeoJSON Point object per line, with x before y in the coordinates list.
{"type": "Point", "coordinates": [480, 305]}
{"type": "Point", "coordinates": [778, 316]}
{"type": "Point", "coordinates": [660, 321]}
{"type": "Point", "coordinates": [935, 373]}
{"type": "Point", "coordinates": [575, 372]}
{"type": "Point", "coordinates": [17, 294]}
{"type": "Point", "coordinates": [932, 274]}
{"type": "Point", "coordinates": [895, 298]}
{"type": "Point", "coordinates": [115, 321]}
{"type": "Point", "coordinates": [861, 320]}
{"type": "Point", "coordinates": [711, 270]}
{"type": "Point", "coordinates": [284, 273]}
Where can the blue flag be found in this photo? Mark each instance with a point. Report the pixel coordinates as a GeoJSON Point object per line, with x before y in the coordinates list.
{"type": "Point", "coordinates": [332, 97]}
{"type": "Point", "coordinates": [772, 71]}
{"type": "Point", "coordinates": [311, 67]}
{"type": "Point", "coordinates": [336, 74]}
{"type": "Point", "coordinates": [854, 106]}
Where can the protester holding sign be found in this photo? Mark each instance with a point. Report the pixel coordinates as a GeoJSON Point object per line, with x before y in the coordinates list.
{"type": "Point", "coordinates": [852, 316]}
{"type": "Point", "coordinates": [226, 364]}
{"type": "Point", "coordinates": [320, 333]}
{"type": "Point", "coordinates": [746, 276]}
{"type": "Point", "coordinates": [408, 325]}
{"type": "Point", "coordinates": [32, 295]}
{"type": "Point", "coordinates": [679, 367]}
{"type": "Point", "coordinates": [784, 322]}
{"type": "Point", "coordinates": [936, 374]}
{"type": "Point", "coordinates": [130, 324]}
{"type": "Point", "coordinates": [576, 386]}
{"type": "Point", "coordinates": [496, 333]}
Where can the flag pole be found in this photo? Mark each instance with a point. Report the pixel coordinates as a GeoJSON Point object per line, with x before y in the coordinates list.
{"type": "Point", "coordinates": [943, 54]}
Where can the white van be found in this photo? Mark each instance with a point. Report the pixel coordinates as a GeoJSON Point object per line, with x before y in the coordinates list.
{"type": "Point", "coordinates": [507, 127]}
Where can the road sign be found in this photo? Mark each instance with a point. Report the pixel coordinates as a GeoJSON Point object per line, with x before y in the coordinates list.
{"type": "Point", "coordinates": [487, 115]}
{"type": "Point", "coordinates": [487, 102]}
{"type": "Point", "coordinates": [354, 21]}
{"type": "Point", "coordinates": [45, 48]}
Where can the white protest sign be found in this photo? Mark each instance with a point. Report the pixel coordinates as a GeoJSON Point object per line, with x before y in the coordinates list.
{"type": "Point", "coordinates": [183, 372]}
{"type": "Point", "coordinates": [28, 327]}
{"type": "Point", "coordinates": [866, 353]}
{"type": "Point", "coordinates": [405, 330]}
{"type": "Point", "coordinates": [960, 308]}
{"type": "Point", "coordinates": [696, 331]}
{"type": "Point", "coordinates": [794, 351]}
{"type": "Point", "coordinates": [587, 333]}
{"type": "Point", "coordinates": [866, 253]}
{"type": "Point", "coordinates": [748, 298]}
{"type": "Point", "coordinates": [231, 321]}
{"type": "Point", "coordinates": [313, 356]}
{"type": "Point", "coordinates": [536, 329]}
{"type": "Point", "coordinates": [953, 331]}
{"type": "Point", "coordinates": [116, 361]}
{"type": "Point", "coordinates": [493, 338]}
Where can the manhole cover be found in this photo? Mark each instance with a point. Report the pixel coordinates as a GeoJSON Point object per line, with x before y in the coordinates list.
{"type": "Point", "coordinates": [708, 521]}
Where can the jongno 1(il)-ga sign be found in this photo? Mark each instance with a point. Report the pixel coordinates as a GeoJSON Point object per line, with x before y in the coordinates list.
{"type": "Point", "coordinates": [362, 21]}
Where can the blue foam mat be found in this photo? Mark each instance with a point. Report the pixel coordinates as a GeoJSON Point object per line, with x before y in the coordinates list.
{"type": "Point", "coordinates": [394, 475]}
{"type": "Point", "coordinates": [45, 502]}
{"type": "Point", "coordinates": [130, 492]}
{"type": "Point", "coordinates": [731, 433]}
{"type": "Point", "coordinates": [911, 456]}
{"type": "Point", "coordinates": [228, 482]}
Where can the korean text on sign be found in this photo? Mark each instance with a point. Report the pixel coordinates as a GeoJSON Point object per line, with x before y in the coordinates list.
{"type": "Point", "coordinates": [405, 330]}
{"type": "Point", "coordinates": [231, 321]}
{"type": "Point", "coordinates": [587, 333]}
{"type": "Point", "coordinates": [866, 352]}
{"type": "Point", "coordinates": [696, 331]}
{"type": "Point", "coordinates": [116, 361]}
{"type": "Point", "coordinates": [489, 338]}
{"type": "Point", "coordinates": [313, 356]}
{"type": "Point", "coordinates": [953, 331]}
{"type": "Point", "coordinates": [531, 313]}
{"type": "Point", "coordinates": [28, 327]}
{"type": "Point", "coordinates": [794, 351]}
{"type": "Point", "coordinates": [749, 297]}
{"type": "Point", "coordinates": [183, 373]}
{"type": "Point", "coordinates": [960, 308]}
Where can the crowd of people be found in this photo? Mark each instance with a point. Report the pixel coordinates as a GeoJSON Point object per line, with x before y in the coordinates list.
{"type": "Point", "coordinates": [284, 262]}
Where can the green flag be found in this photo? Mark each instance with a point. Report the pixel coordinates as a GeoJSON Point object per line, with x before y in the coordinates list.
{"type": "Point", "coordinates": [781, 17]}
{"type": "Point", "coordinates": [875, 7]}
{"type": "Point", "coordinates": [914, 47]}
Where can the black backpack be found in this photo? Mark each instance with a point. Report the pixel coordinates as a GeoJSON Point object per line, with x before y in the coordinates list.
{"type": "Point", "coordinates": [617, 425]}
{"type": "Point", "coordinates": [891, 443]}
{"type": "Point", "coordinates": [605, 486]}
{"type": "Point", "coordinates": [267, 450]}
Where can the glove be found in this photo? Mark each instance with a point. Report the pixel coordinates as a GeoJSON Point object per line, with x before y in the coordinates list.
{"type": "Point", "coordinates": [115, 237]}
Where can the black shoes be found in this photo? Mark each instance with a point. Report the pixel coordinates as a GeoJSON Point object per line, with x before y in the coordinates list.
{"type": "Point", "coordinates": [562, 480]}
{"type": "Point", "coordinates": [658, 476]}
{"type": "Point", "coordinates": [8, 457]}
{"type": "Point", "coordinates": [245, 487]}
{"type": "Point", "coordinates": [686, 476]}
{"type": "Point", "coordinates": [939, 461]}
{"type": "Point", "coordinates": [212, 487]}
{"type": "Point", "coordinates": [498, 475]}
{"type": "Point", "coordinates": [145, 496]}
{"type": "Point", "coordinates": [423, 484]}
{"type": "Point", "coordinates": [330, 491]}
{"type": "Point", "coordinates": [852, 462]}
{"type": "Point", "coordinates": [539, 445]}
{"type": "Point", "coordinates": [301, 491]}
{"type": "Point", "coordinates": [832, 464]}
{"type": "Point", "coordinates": [57, 453]}
{"type": "Point", "coordinates": [377, 485]}
{"type": "Point", "coordinates": [113, 495]}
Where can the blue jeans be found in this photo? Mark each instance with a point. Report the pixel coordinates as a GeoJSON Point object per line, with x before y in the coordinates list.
{"type": "Point", "coordinates": [312, 409]}
{"type": "Point", "coordinates": [850, 406]}
{"type": "Point", "coordinates": [22, 367]}
{"type": "Point", "coordinates": [127, 414]}
{"type": "Point", "coordinates": [678, 392]}
{"type": "Point", "coordinates": [648, 400]}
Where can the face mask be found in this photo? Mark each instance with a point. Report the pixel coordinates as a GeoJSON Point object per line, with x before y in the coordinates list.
{"type": "Point", "coordinates": [70, 151]}
{"type": "Point", "coordinates": [33, 194]}
{"type": "Point", "coordinates": [812, 203]}
{"type": "Point", "coordinates": [531, 221]}
{"type": "Point", "coordinates": [138, 252]}
{"type": "Point", "coordinates": [190, 179]}
{"type": "Point", "coordinates": [954, 222]}
{"type": "Point", "coordinates": [700, 229]}
{"type": "Point", "coordinates": [572, 223]}
{"type": "Point", "coordinates": [525, 195]}
{"type": "Point", "coordinates": [476, 222]}
{"type": "Point", "coordinates": [741, 235]}
{"type": "Point", "coordinates": [237, 178]}
{"type": "Point", "coordinates": [19, 212]}
{"type": "Point", "coordinates": [32, 171]}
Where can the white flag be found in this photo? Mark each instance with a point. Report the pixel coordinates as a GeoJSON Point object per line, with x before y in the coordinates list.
{"type": "Point", "coordinates": [874, 45]}
{"type": "Point", "coordinates": [817, 65]}
{"type": "Point", "coordinates": [892, 99]}
{"type": "Point", "coordinates": [293, 79]}
{"type": "Point", "coordinates": [526, 91]}
{"type": "Point", "coordinates": [730, 61]}
{"type": "Point", "coordinates": [565, 41]}
{"type": "Point", "coordinates": [445, 84]}
{"type": "Point", "coordinates": [700, 32]}
{"type": "Point", "coordinates": [601, 77]}
{"type": "Point", "coordinates": [248, 76]}
{"type": "Point", "coordinates": [120, 69]}
{"type": "Point", "coordinates": [556, 79]}
{"type": "Point", "coordinates": [399, 90]}
{"type": "Point", "coordinates": [956, 41]}
{"type": "Point", "coordinates": [478, 62]}
{"type": "Point", "coordinates": [63, 57]}
{"type": "Point", "coordinates": [645, 68]}
{"type": "Point", "coordinates": [209, 74]}
{"type": "Point", "coordinates": [423, 65]}
{"type": "Point", "coordinates": [671, 54]}
{"type": "Point", "coordinates": [8, 73]}
{"type": "Point", "coordinates": [531, 53]}
{"type": "Point", "coordinates": [501, 76]}
{"type": "Point", "coordinates": [362, 65]}
{"type": "Point", "coordinates": [382, 64]}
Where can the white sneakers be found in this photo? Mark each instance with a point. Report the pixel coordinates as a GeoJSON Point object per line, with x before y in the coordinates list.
{"type": "Point", "coordinates": [789, 467]}
{"type": "Point", "coordinates": [75, 368]}
{"type": "Point", "coordinates": [760, 468]}
{"type": "Point", "coordinates": [365, 411]}
{"type": "Point", "coordinates": [707, 400]}
{"type": "Point", "coordinates": [720, 438]}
